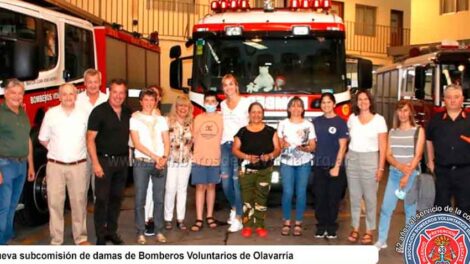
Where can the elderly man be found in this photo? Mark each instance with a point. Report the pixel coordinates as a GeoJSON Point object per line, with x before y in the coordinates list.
{"type": "Point", "coordinates": [15, 149]}
{"type": "Point", "coordinates": [87, 101]}
{"type": "Point", "coordinates": [449, 152]}
{"type": "Point", "coordinates": [107, 141]}
{"type": "Point", "coordinates": [63, 133]}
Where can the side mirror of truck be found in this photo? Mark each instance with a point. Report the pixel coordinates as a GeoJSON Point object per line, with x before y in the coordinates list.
{"type": "Point", "coordinates": [26, 58]}
{"type": "Point", "coordinates": [420, 77]}
{"type": "Point", "coordinates": [176, 74]}
{"type": "Point", "coordinates": [364, 74]}
{"type": "Point", "coordinates": [175, 52]}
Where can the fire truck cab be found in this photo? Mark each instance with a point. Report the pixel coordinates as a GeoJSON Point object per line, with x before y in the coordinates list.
{"type": "Point", "coordinates": [275, 54]}
{"type": "Point", "coordinates": [423, 80]}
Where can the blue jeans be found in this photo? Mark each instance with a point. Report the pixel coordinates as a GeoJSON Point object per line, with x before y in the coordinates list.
{"type": "Point", "coordinates": [229, 176]}
{"type": "Point", "coordinates": [390, 202]}
{"type": "Point", "coordinates": [294, 176]}
{"type": "Point", "coordinates": [143, 172]}
{"type": "Point", "coordinates": [14, 176]}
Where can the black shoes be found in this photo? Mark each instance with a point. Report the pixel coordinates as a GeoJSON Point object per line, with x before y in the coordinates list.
{"type": "Point", "coordinates": [115, 239]}
{"type": "Point", "coordinates": [321, 233]}
{"type": "Point", "coordinates": [149, 228]}
{"type": "Point", "coordinates": [100, 241]}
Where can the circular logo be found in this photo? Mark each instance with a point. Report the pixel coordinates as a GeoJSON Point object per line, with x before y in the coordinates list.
{"type": "Point", "coordinates": [209, 129]}
{"type": "Point", "coordinates": [332, 130]}
{"type": "Point", "coordinates": [438, 239]}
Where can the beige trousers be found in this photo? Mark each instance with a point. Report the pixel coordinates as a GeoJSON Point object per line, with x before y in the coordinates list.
{"type": "Point", "coordinates": [74, 178]}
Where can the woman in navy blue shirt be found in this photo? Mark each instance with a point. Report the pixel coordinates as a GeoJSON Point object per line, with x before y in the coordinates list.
{"type": "Point", "coordinates": [330, 177]}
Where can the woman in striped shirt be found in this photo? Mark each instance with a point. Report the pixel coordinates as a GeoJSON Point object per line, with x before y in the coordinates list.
{"type": "Point", "coordinates": [404, 151]}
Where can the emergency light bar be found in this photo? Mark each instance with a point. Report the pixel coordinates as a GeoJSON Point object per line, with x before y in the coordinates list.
{"type": "Point", "coordinates": [222, 5]}
{"type": "Point", "coordinates": [310, 4]}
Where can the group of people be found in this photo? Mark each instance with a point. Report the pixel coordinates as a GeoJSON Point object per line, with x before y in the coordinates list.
{"type": "Point", "coordinates": [90, 134]}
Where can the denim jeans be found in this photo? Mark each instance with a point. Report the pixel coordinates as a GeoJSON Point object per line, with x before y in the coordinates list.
{"type": "Point", "coordinates": [294, 177]}
{"type": "Point", "coordinates": [14, 176]}
{"type": "Point", "coordinates": [390, 202]}
{"type": "Point", "coordinates": [229, 176]}
{"type": "Point", "coordinates": [143, 172]}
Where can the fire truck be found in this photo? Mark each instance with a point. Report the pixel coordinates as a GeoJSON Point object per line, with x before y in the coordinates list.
{"type": "Point", "coordinates": [45, 49]}
{"type": "Point", "coordinates": [274, 53]}
{"type": "Point", "coordinates": [423, 79]}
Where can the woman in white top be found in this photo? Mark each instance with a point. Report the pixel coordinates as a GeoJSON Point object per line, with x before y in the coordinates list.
{"type": "Point", "coordinates": [180, 122]}
{"type": "Point", "coordinates": [235, 116]}
{"type": "Point", "coordinates": [149, 134]}
{"type": "Point", "coordinates": [365, 163]}
{"type": "Point", "coordinates": [297, 137]}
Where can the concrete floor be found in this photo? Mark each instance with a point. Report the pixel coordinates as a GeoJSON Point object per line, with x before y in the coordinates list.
{"type": "Point", "coordinates": [219, 236]}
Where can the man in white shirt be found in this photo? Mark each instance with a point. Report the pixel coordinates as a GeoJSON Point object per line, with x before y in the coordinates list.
{"type": "Point", "coordinates": [63, 133]}
{"type": "Point", "coordinates": [87, 101]}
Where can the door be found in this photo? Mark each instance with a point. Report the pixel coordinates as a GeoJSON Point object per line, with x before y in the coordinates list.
{"type": "Point", "coordinates": [396, 28]}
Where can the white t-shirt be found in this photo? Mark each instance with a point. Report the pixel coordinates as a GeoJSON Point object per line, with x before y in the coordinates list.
{"type": "Point", "coordinates": [83, 102]}
{"type": "Point", "coordinates": [150, 129]}
{"type": "Point", "coordinates": [365, 138]}
{"type": "Point", "coordinates": [234, 119]}
{"type": "Point", "coordinates": [296, 134]}
{"type": "Point", "coordinates": [66, 134]}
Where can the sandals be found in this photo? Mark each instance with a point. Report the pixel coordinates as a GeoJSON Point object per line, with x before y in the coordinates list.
{"type": "Point", "coordinates": [297, 230]}
{"type": "Point", "coordinates": [197, 226]}
{"type": "Point", "coordinates": [168, 225]}
{"type": "Point", "coordinates": [181, 225]}
{"type": "Point", "coordinates": [367, 239]}
{"type": "Point", "coordinates": [285, 231]}
{"type": "Point", "coordinates": [211, 222]}
{"type": "Point", "coordinates": [353, 236]}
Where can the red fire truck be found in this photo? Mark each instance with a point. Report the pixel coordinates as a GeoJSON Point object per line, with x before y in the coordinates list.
{"type": "Point", "coordinates": [423, 79]}
{"type": "Point", "coordinates": [45, 48]}
{"type": "Point", "coordinates": [274, 53]}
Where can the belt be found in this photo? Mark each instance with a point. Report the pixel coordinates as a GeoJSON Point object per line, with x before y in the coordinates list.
{"type": "Point", "coordinates": [19, 159]}
{"type": "Point", "coordinates": [454, 167]}
{"type": "Point", "coordinates": [66, 163]}
{"type": "Point", "coordinates": [111, 156]}
{"type": "Point", "coordinates": [145, 160]}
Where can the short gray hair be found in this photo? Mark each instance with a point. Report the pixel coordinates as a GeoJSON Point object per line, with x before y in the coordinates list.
{"type": "Point", "coordinates": [65, 85]}
{"type": "Point", "coordinates": [454, 87]}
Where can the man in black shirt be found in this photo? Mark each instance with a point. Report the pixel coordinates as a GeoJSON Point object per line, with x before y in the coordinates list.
{"type": "Point", "coordinates": [449, 152]}
{"type": "Point", "coordinates": [107, 142]}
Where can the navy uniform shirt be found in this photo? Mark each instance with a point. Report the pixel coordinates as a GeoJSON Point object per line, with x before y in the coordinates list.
{"type": "Point", "coordinates": [449, 148]}
{"type": "Point", "coordinates": [329, 131]}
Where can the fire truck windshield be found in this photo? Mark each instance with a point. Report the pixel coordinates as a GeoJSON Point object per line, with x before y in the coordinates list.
{"type": "Point", "coordinates": [456, 73]}
{"type": "Point", "coordinates": [271, 65]}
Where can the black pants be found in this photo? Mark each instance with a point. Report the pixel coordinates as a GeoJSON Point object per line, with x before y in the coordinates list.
{"type": "Point", "coordinates": [453, 181]}
{"type": "Point", "coordinates": [109, 191]}
{"type": "Point", "coordinates": [328, 192]}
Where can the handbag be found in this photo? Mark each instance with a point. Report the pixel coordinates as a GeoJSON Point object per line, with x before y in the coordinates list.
{"type": "Point", "coordinates": [423, 191]}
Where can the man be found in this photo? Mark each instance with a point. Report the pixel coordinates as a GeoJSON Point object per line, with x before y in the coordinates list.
{"type": "Point", "coordinates": [63, 133]}
{"type": "Point", "coordinates": [15, 149]}
{"type": "Point", "coordinates": [87, 101]}
{"type": "Point", "coordinates": [449, 153]}
{"type": "Point", "coordinates": [107, 141]}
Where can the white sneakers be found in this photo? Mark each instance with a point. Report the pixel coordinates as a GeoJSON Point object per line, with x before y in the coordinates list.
{"type": "Point", "coordinates": [232, 216]}
{"type": "Point", "coordinates": [380, 245]}
{"type": "Point", "coordinates": [235, 226]}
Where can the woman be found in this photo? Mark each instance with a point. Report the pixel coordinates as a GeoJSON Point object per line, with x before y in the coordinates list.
{"type": "Point", "coordinates": [179, 161]}
{"type": "Point", "coordinates": [149, 134]}
{"type": "Point", "coordinates": [365, 163]}
{"type": "Point", "coordinates": [297, 137]}
{"type": "Point", "coordinates": [149, 224]}
{"type": "Point", "coordinates": [257, 145]}
{"type": "Point", "coordinates": [235, 114]}
{"type": "Point", "coordinates": [404, 151]}
{"type": "Point", "coordinates": [330, 176]}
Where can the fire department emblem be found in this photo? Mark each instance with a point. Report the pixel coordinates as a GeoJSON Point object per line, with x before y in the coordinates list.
{"type": "Point", "coordinates": [438, 239]}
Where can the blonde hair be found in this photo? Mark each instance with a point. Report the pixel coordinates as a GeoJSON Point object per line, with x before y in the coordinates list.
{"type": "Point", "coordinates": [230, 76]}
{"type": "Point", "coordinates": [172, 116]}
{"type": "Point", "coordinates": [91, 72]}
{"type": "Point", "coordinates": [400, 105]}
{"type": "Point", "coordinates": [67, 85]}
